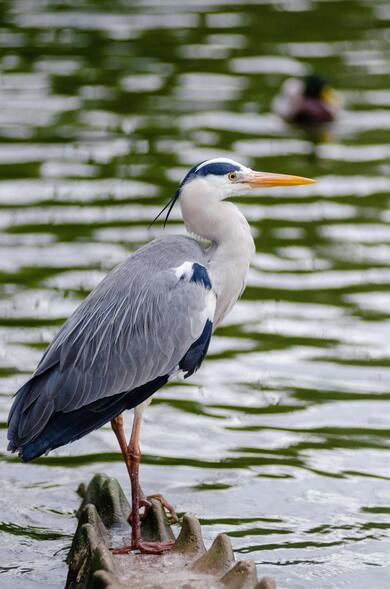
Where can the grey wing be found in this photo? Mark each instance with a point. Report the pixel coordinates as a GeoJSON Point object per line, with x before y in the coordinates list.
{"type": "Point", "coordinates": [140, 323]}
{"type": "Point", "coordinates": [123, 343]}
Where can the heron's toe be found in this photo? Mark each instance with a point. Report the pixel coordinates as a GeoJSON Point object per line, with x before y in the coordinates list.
{"type": "Point", "coordinates": [154, 547]}
{"type": "Point", "coordinates": [166, 505]}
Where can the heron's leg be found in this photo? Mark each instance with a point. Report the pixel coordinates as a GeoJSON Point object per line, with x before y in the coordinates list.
{"type": "Point", "coordinates": [119, 431]}
{"type": "Point", "coordinates": [134, 454]}
{"type": "Point", "coordinates": [134, 458]}
{"type": "Point", "coordinates": [145, 502]}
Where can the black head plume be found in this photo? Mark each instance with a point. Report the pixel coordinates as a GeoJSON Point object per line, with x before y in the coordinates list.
{"type": "Point", "coordinates": [170, 204]}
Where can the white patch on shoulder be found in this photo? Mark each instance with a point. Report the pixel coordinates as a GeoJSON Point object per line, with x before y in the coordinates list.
{"type": "Point", "coordinates": [211, 301]}
{"type": "Point", "coordinates": [185, 270]}
{"type": "Point", "coordinates": [208, 311]}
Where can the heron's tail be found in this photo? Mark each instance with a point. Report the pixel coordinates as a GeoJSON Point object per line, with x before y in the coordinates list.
{"type": "Point", "coordinates": [58, 428]}
{"type": "Point", "coordinates": [14, 416]}
{"type": "Point", "coordinates": [31, 410]}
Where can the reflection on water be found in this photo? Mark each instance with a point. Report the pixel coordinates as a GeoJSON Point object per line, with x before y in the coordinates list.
{"type": "Point", "coordinates": [280, 440]}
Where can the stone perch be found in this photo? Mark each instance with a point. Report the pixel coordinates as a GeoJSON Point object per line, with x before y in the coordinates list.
{"type": "Point", "coordinates": [188, 565]}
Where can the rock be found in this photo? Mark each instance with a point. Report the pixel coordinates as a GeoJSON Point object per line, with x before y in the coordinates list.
{"type": "Point", "coordinates": [103, 516]}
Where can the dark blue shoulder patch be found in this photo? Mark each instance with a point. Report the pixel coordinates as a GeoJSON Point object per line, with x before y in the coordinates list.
{"type": "Point", "coordinates": [200, 276]}
{"type": "Point", "coordinates": [195, 355]}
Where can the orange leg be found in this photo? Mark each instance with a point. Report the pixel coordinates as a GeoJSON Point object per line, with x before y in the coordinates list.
{"type": "Point", "coordinates": [132, 457]}
{"type": "Point", "coordinates": [118, 429]}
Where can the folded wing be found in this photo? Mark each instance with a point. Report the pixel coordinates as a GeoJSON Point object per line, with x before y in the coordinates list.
{"type": "Point", "coordinates": [147, 319]}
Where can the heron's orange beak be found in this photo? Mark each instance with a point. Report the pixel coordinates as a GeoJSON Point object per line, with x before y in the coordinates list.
{"type": "Point", "coordinates": [262, 179]}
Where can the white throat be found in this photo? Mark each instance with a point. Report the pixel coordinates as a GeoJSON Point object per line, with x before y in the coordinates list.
{"type": "Point", "coordinates": [223, 224]}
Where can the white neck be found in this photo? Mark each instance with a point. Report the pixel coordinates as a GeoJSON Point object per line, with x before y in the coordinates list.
{"type": "Point", "coordinates": [225, 226]}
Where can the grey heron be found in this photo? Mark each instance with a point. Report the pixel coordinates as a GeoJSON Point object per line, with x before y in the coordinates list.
{"type": "Point", "coordinates": [151, 318]}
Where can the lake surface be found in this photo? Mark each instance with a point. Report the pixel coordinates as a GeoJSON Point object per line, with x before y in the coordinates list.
{"type": "Point", "coordinates": [282, 438]}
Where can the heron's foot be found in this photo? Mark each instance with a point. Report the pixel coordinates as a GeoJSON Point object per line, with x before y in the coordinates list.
{"type": "Point", "coordinates": [167, 506]}
{"type": "Point", "coordinates": [122, 550]}
{"type": "Point", "coordinates": [145, 547]}
{"type": "Point", "coordinates": [154, 547]}
{"type": "Point", "coordinates": [145, 503]}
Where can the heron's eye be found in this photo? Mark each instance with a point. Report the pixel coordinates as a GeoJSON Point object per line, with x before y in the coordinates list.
{"type": "Point", "coordinates": [232, 176]}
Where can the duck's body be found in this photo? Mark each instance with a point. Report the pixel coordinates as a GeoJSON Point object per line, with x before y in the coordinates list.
{"type": "Point", "coordinates": [307, 103]}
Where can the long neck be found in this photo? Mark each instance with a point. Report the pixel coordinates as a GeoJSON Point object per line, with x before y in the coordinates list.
{"type": "Point", "coordinates": [232, 248]}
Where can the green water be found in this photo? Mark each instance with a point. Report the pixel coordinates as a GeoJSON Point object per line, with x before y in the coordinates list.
{"type": "Point", "coordinates": [282, 438]}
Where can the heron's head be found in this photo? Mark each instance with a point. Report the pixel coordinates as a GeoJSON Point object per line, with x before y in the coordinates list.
{"type": "Point", "coordinates": [220, 178]}
{"type": "Point", "coordinates": [223, 177]}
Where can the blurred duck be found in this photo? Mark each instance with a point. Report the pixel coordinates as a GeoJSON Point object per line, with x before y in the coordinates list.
{"type": "Point", "coordinates": [307, 102]}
